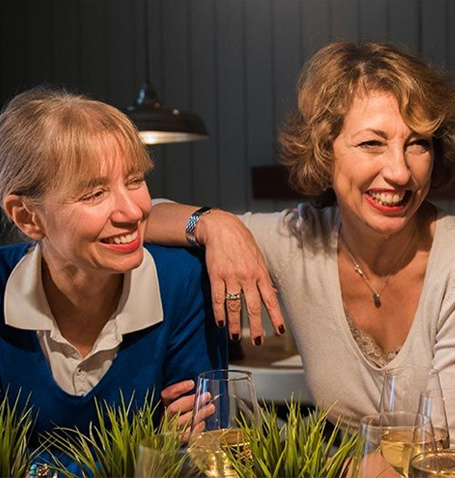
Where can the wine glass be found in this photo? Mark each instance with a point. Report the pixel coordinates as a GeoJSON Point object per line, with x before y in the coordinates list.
{"type": "Point", "coordinates": [436, 464]}
{"type": "Point", "coordinates": [441, 410]}
{"type": "Point", "coordinates": [224, 400]}
{"type": "Point", "coordinates": [403, 385]}
{"type": "Point", "coordinates": [389, 441]}
{"type": "Point", "coordinates": [159, 455]}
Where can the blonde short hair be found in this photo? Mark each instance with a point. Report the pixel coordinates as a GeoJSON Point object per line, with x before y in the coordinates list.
{"type": "Point", "coordinates": [326, 89]}
{"type": "Point", "coordinates": [53, 140]}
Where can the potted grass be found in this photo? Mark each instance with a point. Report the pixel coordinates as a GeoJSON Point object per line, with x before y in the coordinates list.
{"type": "Point", "coordinates": [304, 447]}
{"type": "Point", "coordinates": [110, 448]}
{"type": "Point", "coordinates": [15, 424]}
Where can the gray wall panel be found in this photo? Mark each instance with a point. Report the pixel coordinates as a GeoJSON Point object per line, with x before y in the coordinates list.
{"type": "Point", "coordinates": [66, 44]}
{"type": "Point", "coordinates": [345, 20]}
{"type": "Point", "coordinates": [175, 93]}
{"type": "Point", "coordinates": [231, 103]}
{"type": "Point", "coordinates": [260, 94]}
{"type": "Point", "coordinates": [233, 62]}
{"type": "Point", "coordinates": [404, 23]}
{"type": "Point", "coordinates": [287, 54]}
{"type": "Point", "coordinates": [374, 20]}
{"type": "Point", "coordinates": [316, 22]}
{"type": "Point", "coordinates": [204, 100]}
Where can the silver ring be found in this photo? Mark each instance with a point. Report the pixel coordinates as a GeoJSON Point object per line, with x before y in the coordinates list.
{"type": "Point", "coordinates": [233, 296]}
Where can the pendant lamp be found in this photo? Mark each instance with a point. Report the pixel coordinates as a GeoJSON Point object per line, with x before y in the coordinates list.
{"type": "Point", "coordinates": [156, 123]}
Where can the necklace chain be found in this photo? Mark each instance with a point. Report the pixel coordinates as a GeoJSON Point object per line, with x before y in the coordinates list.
{"type": "Point", "coordinates": [376, 296]}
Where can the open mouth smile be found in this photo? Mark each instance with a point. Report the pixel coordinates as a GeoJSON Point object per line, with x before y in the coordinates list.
{"type": "Point", "coordinates": [123, 239]}
{"type": "Point", "coordinates": [389, 199]}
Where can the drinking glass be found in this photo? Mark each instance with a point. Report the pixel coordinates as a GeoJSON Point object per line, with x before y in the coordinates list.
{"type": "Point", "coordinates": [224, 399]}
{"type": "Point", "coordinates": [441, 410]}
{"type": "Point", "coordinates": [160, 456]}
{"type": "Point", "coordinates": [403, 385]}
{"type": "Point", "coordinates": [436, 464]}
{"type": "Point", "coordinates": [389, 441]}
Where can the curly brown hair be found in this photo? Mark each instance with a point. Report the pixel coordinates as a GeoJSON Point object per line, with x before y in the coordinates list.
{"type": "Point", "coordinates": [326, 88]}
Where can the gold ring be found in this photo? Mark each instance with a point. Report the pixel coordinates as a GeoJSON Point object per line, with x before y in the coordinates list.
{"type": "Point", "coordinates": [233, 296]}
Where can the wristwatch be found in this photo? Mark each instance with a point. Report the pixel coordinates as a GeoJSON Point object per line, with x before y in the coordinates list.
{"type": "Point", "coordinates": [190, 228]}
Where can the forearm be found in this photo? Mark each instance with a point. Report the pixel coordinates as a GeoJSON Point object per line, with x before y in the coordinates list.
{"type": "Point", "coordinates": [166, 223]}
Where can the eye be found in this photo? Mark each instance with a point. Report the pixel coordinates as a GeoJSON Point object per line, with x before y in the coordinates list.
{"type": "Point", "coordinates": [93, 196]}
{"type": "Point", "coordinates": [135, 181]}
{"type": "Point", "coordinates": [371, 145]}
{"type": "Point", "coordinates": [420, 145]}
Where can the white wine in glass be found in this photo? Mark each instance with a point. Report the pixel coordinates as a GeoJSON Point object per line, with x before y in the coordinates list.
{"type": "Point", "coordinates": [436, 464]}
{"type": "Point", "coordinates": [440, 408]}
{"type": "Point", "coordinates": [224, 400]}
{"type": "Point", "coordinates": [400, 436]}
{"type": "Point", "coordinates": [209, 451]}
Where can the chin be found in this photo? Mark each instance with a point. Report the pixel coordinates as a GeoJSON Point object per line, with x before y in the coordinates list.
{"type": "Point", "coordinates": [126, 264]}
{"type": "Point", "coordinates": [389, 226]}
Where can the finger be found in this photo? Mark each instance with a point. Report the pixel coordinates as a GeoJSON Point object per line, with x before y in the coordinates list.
{"type": "Point", "coordinates": [174, 391]}
{"type": "Point", "coordinates": [254, 311]}
{"type": "Point", "coordinates": [197, 430]}
{"type": "Point", "coordinates": [218, 302]}
{"type": "Point", "coordinates": [272, 305]}
{"type": "Point", "coordinates": [184, 420]}
{"type": "Point", "coordinates": [234, 312]}
{"type": "Point", "coordinates": [182, 405]}
{"type": "Point", "coordinates": [203, 413]}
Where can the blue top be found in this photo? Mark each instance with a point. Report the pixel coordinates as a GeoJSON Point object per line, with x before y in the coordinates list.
{"type": "Point", "coordinates": [184, 344]}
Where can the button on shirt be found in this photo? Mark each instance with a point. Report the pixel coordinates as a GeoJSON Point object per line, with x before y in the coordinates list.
{"type": "Point", "coordinates": [26, 307]}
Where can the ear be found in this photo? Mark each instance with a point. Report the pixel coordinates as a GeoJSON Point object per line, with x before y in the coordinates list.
{"type": "Point", "coordinates": [24, 215]}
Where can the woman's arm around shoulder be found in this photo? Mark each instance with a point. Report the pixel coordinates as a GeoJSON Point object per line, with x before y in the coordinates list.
{"type": "Point", "coordinates": [234, 261]}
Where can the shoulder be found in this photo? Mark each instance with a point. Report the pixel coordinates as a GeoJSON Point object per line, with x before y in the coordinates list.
{"type": "Point", "coordinates": [11, 255]}
{"type": "Point", "coordinates": [446, 223]}
{"type": "Point", "coordinates": [176, 261]}
{"type": "Point", "coordinates": [303, 225]}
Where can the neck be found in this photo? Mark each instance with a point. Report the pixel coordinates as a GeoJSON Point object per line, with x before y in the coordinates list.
{"type": "Point", "coordinates": [80, 304]}
{"type": "Point", "coordinates": [379, 253]}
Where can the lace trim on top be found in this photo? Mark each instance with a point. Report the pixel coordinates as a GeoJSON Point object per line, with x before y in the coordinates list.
{"type": "Point", "coordinates": [368, 346]}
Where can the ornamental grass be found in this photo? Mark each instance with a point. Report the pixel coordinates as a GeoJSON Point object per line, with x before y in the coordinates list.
{"type": "Point", "coordinates": [110, 449]}
{"type": "Point", "coordinates": [305, 446]}
{"type": "Point", "coordinates": [15, 426]}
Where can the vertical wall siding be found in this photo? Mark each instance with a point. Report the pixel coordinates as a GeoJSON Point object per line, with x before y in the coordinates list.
{"type": "Point", "coordinates": [234, 62]}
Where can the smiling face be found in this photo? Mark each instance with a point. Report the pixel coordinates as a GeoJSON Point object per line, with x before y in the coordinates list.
{"type": "Point", "coordinates": [101, 229]}
{"type": "Point", "coordinates": [382, 169]}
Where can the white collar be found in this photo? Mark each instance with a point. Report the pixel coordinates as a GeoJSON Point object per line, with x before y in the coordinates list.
{"type": "Point", "coordinates": [26, 306]}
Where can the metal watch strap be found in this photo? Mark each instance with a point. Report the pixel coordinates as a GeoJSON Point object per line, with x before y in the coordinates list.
{"type": "Point", "coordinates": [190, 228]}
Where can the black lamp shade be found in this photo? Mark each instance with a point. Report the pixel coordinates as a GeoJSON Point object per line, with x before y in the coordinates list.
{"type": "Point", "coordinates": [159, 125]}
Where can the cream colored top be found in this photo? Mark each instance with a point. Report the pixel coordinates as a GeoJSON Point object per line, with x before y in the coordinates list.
{"type": "Point", "coordinates": [300, 248]}
{"type": "Point", "coordinates": [26, 307]}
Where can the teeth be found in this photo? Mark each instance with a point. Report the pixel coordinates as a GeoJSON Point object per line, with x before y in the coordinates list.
{"type": "Point", "coordinates": [126, 239]}
{"type": "Point", "coordinates": [387, 199]}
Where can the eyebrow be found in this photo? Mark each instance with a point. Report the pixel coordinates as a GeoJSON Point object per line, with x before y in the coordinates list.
{"type": "Point", "coordinates": [378, 132]}
{"type": "Point", "coordinates": [93, 183]}
{"type": "Point", "coordinates": [102, 180]}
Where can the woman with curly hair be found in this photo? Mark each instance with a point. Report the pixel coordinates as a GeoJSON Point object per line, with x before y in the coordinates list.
{"type": "Point", "coordinates": [365, 273]}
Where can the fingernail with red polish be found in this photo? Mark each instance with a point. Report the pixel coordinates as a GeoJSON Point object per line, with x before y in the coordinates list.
{"type": "Point", "coordinates": [220, 324]}
{"type": "Point", "coordinates": [281, 329]}
{"type": "Point", "coordinates": [236, 338]}
{"type": "Point", "coordinates": [258, 340]}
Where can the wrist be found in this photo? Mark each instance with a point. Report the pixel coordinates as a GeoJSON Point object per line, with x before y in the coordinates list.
{"type": "Point", "coordinates": [193, 224]}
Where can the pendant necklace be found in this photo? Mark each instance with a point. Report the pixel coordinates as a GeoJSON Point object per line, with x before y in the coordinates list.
{"type": "Point", "coordinates": [376, 294]}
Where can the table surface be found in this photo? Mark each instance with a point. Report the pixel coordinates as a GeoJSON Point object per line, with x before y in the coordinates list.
{"type": "Point", "coordinates": [264, 356]}
{"type": "Point", "coordinates": [273, 383]}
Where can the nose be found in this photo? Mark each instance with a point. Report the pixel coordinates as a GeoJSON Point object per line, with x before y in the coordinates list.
{"type": "Point", "coordinates": [126, 209]}
{"type": "Point", "coordinates": [396, 169]}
